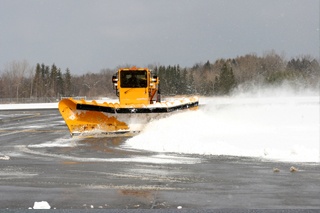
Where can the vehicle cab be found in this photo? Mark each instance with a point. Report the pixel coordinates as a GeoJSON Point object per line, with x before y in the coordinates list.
{"type": "Point", "coordinates": [136, 86]}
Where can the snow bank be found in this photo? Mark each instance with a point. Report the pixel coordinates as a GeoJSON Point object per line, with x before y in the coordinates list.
{"type": "Point", "coordinates": [29, 106]}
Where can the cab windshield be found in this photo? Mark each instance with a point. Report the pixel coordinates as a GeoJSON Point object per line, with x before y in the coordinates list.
{"type": "Point", "coordinates": [133, 79]}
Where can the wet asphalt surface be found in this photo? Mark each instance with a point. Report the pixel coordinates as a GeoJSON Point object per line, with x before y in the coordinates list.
{"type": "Point", "coordinates": [39, 161]}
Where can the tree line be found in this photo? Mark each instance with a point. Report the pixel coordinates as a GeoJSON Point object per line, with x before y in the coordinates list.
{"type": "Point", "coordinates": [246, 72]}
{"type": "Point", "coordinates": [20, 80]}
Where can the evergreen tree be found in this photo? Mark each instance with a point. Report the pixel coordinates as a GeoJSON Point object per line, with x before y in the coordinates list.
{"type": "Point", "coordinates": [226, 81]}
{"type": "Point", "coordinates": [45, 80]}
{"type": "Point", "coordinates": [170, 75]}
{"type": "Point", "coordinates": [37, 81]}
{"type": "Point", "coordinates": [163, 79]}
{"type": "Point", "coordinates": [67, 83]}
{"type": "Point", "coordinates": [207, 66]}
{"type": "Point", "coordinates": [191, 86]}
{"type": "Point", "coordinates": [53, 80]}
{"type": "Point", "coordinates": [178, 80]}
{"type": "Point", "coordinates": [60, 84]}
{"type": "Point", "coordinates": [216, 86]}
{"type": "Point", "coordinates": [183, 82]}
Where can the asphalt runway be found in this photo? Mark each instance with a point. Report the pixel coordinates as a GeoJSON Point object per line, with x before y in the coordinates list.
{"type": "Point", "coordinates": [39, 161]}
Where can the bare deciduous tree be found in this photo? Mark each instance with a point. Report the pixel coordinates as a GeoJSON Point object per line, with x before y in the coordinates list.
{"type": "Point", "coordinates": [16, 72]}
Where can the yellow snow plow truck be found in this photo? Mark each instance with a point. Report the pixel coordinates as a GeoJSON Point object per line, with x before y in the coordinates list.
{"type": "Point", "coordinates": [139, 103]}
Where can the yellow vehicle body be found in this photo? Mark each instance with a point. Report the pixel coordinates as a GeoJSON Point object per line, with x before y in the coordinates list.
{"type": "Point", "coordinates": [139, 103]}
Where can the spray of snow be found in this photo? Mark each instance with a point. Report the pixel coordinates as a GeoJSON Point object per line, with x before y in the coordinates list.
{"type": "Point", "coordinates": [276, 125]}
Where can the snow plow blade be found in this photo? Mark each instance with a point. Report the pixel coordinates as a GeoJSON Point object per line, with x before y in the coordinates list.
{"type": "Point", "coordinates": [91, 118]}
{"type": "Point", "coordinates": [88, 121]}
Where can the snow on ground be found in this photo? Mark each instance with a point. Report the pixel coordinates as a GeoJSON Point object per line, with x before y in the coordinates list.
{"type": "Point", "coordinates": [29, 106]}
{"type": "Point", "coordinates": [43, 105]}
{"type": "Point", "coordinates": [41, 205]}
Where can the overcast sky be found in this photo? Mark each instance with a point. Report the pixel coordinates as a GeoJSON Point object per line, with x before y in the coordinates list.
{"type": "Point", "coordinates": [89, 35]}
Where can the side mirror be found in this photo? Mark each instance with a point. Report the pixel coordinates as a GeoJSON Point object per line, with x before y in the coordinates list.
{"type": "Point", "coordinates": [114, 79]}
{"type": "Point", "coordinates": [154, 79]}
